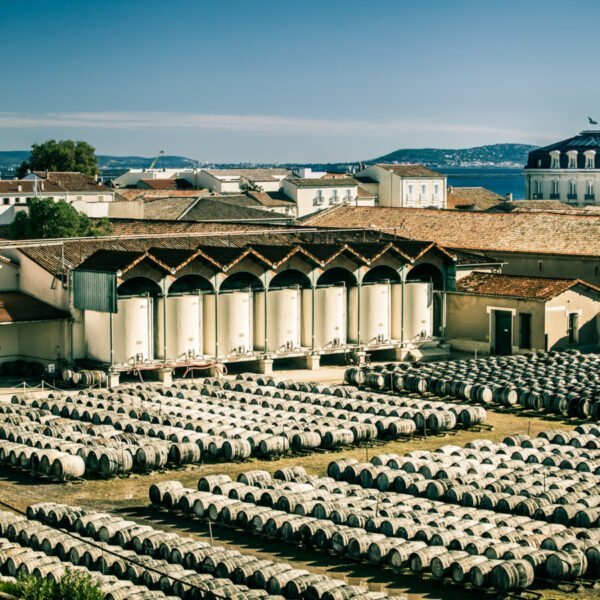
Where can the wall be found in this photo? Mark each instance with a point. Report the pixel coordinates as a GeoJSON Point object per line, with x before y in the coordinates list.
{"type": "Point", "coordinates": [557, 319]}
{"type": "Point", "coordinates": [469, 322]}
{"type": "Point", "coordinates": [9, 342]}
{"type": "Point", "coordinates": [9, 276]}
{"type": "Point", "coordinates": [305, 197]}
{"type": "Point", "coordinates": [133, 209]}
{"type": "Point", "coordinates": [586, 268]}
{"type": "Point", "coordinates": [563, 176]}
{"type": "Point", "coordinates": [97, 336]}
{"type": "Point", "coordinates": [39, 283]}
{"type": "Point", "coordinates": [45, 341]}
{"type": "Point", "coordinates": [92, 208]}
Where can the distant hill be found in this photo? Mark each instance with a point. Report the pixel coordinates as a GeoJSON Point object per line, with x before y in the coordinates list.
{"type": "Point", "coordinates": [494, 155]}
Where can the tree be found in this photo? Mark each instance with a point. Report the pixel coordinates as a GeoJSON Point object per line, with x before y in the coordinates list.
{"type": "Point", "coordinates": [49, 219]}
{"type": "Point", "coordinates": [61, 155]}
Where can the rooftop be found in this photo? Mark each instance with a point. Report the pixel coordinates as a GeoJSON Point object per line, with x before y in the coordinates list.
{"type": "Point", "coordinates": [250, 174]}
{"type": "Point", "coordinates": [410, 170]}
{"type": "Point", "coordinates": [71, 181]}
{"type": "Point", "coordinates": [18, 307]}
{"type": "Point", "coordinates": [586, 140]}
{"type": "Point", "coordinates": [472, 198]}
{"type": "Point", "coordinates": [322, 182]}
{"type": "Point", "coordinates": [518, 286]}
{"type": "Point", "coordinates": [165, 184]}
{"type": "Point", "coordinates": [534, 232]}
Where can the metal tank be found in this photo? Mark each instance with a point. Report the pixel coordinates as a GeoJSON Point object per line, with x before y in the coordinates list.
{"type": "Point", "coordinates": [183, 326]}
{"type": "Point", "coordinates": [229, 321]}
{"type": "Point", "coordinates": [330, 314]}
{"type": "Point", "coordinates": [375, 308]}
{"type": "Point", "coordinates": [283, 313]}
{"type": "Point", "coordinates": [133, 325]}
{"type": "Point", "coordinates": [418, 314]}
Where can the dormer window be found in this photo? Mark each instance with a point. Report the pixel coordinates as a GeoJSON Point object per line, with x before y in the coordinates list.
{"type": "Point", "coordinates": [572, 154]}
{"type": "Point", "coordinates": [555, 159]}
{"type": "Point", "coordinates": [590, 159]}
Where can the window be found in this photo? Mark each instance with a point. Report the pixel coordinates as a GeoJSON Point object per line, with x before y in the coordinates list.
{"type": "Point", "coordinates": [572, 195]}
{"type": "Point", "coordinates": [334, 197]}
{"type": "Point", "coordinates": [540, 265]}
{"type": "Point", "coordinates": [6, 201]}
{"type": "Point", "coordinates": [436, 189]}
{"type": "Point", "coordinates": [318, 200]}
{"type": "Point", "coordinates": [589, 191]}
{"type": "Point", "coordinates": [100, 198]}
{"type": "Point", "coordinates": [348, 195]}
{"type": "Point", "coordinates": [17, 200]}
{"type": "Point", "coordinates": [410, 189]}
{"type": "Point", "coordinates": [539, 162]}
{"type": "Point", "coordinates": [555, 159]}
{"type": "Point", "coordinates": [525, 331]}
{"type": "Point", "coordinates": [537, 188]}
{"type": "Point", "coordinates": [572, 154]}
{"type": "Point", "coordinates": [573, 328]}
{"type": "Point", "coordinates": [423, 191]}
{"type": "Point", "coordinates": [554, 195]}
{"type": "Point", "coordinates": [590, 159]}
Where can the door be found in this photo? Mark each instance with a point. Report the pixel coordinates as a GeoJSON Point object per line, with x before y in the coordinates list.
{"type": "Point", "coordinates": [502, 332]}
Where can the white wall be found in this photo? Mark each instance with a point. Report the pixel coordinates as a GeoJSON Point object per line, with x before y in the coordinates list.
{"type": "Point", "coordinates": [305, 197]}
{"type": "Point", "coordinates": [9, 277]}
{"type": "Point", "coordinates": [37, 282]}
{"type": "Point", "coordinates": [546, 177]}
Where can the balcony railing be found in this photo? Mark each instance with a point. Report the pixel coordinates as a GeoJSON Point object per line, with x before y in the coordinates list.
{"type": "Point", "coordinates": [590, 197]}
{"type": "Point", "coordinates": [571, 196]}
{"type": "Point", "coordinates": [538, 196]}
{"type": "Point", "coordinates": [554, 196]}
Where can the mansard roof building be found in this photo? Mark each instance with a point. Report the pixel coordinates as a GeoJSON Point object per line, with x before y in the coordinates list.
{"type": "Point", "coordinates": [568, 171]}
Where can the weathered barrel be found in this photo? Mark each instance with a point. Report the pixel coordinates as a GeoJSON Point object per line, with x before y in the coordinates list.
{"type": "Point", "coordinates": [512, 575]}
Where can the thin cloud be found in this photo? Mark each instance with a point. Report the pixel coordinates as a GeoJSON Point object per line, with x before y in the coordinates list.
{"type": "Point", "coordinates": [257, 124]}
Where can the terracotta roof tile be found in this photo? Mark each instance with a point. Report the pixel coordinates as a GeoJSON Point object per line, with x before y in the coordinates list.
{"type": "Point", "coordinates": [546, 233]}
{"type": "Point", "coordinates": [472, 198]}
{"type": "Point", "coordinates": [410, 170]}
{"type": "Point", "coordinates": [517, 286]}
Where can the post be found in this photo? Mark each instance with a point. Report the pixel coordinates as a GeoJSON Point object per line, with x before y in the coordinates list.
{"type": "Point", "coordinates": [313, 290]}
{"type": "Point", "coordinates": [165, 296]}
{"type": "Point", "coordinates": [359, 294]}
{"type": "Point", "coordinates": [110, 336]}
{"type": "Point", "coordinates": [402, 311]}
{"type": "Point", "coordinates": [216, 318]}
{"type": "Point", "coordinates": [266, 315]}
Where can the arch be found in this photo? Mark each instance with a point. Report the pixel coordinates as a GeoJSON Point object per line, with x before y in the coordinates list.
{"type": "Point", "coordinates": [427, 272]}
{"type": "Point", "coordinates": [290, 278]}
{"type": "Point", "coordinates": [139, 286]}
{"type": "Point", "coordinates": [241, 281]}
{"type": "Point", "coordinates": [191, 283]}
{"type": "Point", "coordinates": [381, 273]}
{"type": "Point", "coordinates": [337, 276]}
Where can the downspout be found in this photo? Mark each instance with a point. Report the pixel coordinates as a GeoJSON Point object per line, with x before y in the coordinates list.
{"type": "Point", "coordinates": [359, 294]}
{"type": "Point", "coordinates": [266, 316]}
{"type": "Point", "coordinates": [216, 318]}
{"type": "Point", "coordinates": [165, 295]}
{"type": "Point", "coordinates": [313, 289]}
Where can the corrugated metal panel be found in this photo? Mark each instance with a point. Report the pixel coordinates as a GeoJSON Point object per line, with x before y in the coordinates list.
{"type": "Point", "coordinates": [93, 290]}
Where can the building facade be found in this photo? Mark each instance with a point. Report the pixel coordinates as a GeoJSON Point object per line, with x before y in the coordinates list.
{"type": "Point", "coordinates": [568, 171]}
{"type": "Point", "coordinates": [408, 186]}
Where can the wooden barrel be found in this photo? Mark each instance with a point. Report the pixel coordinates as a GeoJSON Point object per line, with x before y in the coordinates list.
{"type": "Point", "coordinates": [481, 575]}
{"type": "Point", "coordinates": [253, 477]}
{"type": "Point", "coordinates": [208, 482]}
{"type": "Point", "coordinates": [512, 575]}
{"type": "Point", "coordinates": [421, 559]}
{"type": "Point", "coordinates": [566, 565]}
{"type": "Point", "coordinates": [236, 449]}
{"type": "Point", "coordinates": [157, 490]}
{"type": "Point", "coordinates": [441, 563]}
{"type": "Point", "coordinates": [461, 567]}
{"type": "Point", "coordinates": [184, 453]}
{"type": "Point", "coordinates": [68, 466]}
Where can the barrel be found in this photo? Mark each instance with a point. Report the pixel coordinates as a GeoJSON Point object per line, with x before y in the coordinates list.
{"type": "Point", "coordinates": [512, 575]}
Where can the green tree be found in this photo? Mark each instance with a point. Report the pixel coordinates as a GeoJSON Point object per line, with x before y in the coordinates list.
{"type": "Point", "coordinates": [49, 219]}
{"type": "Point", "coordinates": [61, 155]}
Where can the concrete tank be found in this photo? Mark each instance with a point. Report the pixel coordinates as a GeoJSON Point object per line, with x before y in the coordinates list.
{"type": "Point", "coordinates": [233, 322]}
{"type": "Point", "coordinates": [184, 327]}
{"type": "Point", "coordinates": [283, 325]}
{"type": "Point", "coordinates": [133, 328]}
{"type": "Point", "coordinates": [375, 314]}
{"type": "Point", "coordinates": [331, 317]}
{"type": "Point", "coordinates": [418, 311]}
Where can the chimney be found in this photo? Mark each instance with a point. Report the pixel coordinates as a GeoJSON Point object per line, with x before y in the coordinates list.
{"type": "Point", "coordinates": [42, 186]}
{"type": "Point", "coordinates": [509, 197]}
{"type": "Point", "coordinates": [450, 189]}
{"type": "Point", "coordinates": [19, 188]}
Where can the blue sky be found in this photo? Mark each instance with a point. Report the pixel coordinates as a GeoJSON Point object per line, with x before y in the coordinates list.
{"type": "Point", "coordinates": [275, 80]}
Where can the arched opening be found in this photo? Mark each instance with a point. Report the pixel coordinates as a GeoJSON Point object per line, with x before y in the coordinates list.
{"type": "Point", "coordinates": [241, 281]}
{"type": "Point", "coordinates": [337, 276]}
{"type": "Point", "coordinates": [289, 278]}
{"type": "Point", "coordinates": [189, 284]}
{"type": "Point", "coordinates": [431, 274]}
{"type": "Point", "coordinates": [380, 274]}
{"type": "Point", "coordinates": [139, 286]}
{"type": "Point", "coordinates": [427, 272]}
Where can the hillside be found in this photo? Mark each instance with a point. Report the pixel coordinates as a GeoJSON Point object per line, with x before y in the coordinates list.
{"type": "Point", "coordinates": [494, 155]}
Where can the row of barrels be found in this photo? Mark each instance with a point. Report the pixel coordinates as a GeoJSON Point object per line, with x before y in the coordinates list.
{"type": "Point", "coordinates": [223, 571]}
{"type": "Point", "coordinates": [505, 572]}
{"type": "Point", "coordinates": [564, 383]}
{"type": "Point", "coordinates": [18, 559]}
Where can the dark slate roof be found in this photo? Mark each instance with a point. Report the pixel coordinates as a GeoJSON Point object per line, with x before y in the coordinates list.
{"type": "Point", "coordinates": [18, 307]}
{"type": "Point", "coordinates": [586, 140]}
{"type": "Point", "coordinates": [518, 286]}
{"type": "Point", "coordinates": [209, 209]}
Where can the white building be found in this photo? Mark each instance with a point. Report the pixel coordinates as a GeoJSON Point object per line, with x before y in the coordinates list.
{"type": "Point", "coordinates": [568, 171]}
{"type": "Point", "coordinates": [224, 181]}
{"type": "Point", "coordinates": [312, 195]}
{"type": "Point", "coordinates": [407, 186]}
{"type": "Point", "coordinates": [132, 177]}
{"type": "Point", "coordinates": [83, 192]}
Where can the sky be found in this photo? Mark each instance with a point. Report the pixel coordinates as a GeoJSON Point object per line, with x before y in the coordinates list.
{"type": "Point", "coordinates": [283, 81]}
